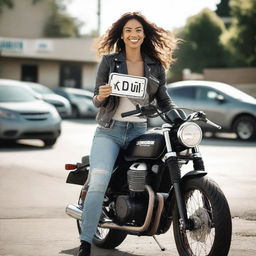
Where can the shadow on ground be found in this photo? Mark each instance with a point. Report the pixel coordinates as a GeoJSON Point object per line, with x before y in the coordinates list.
{"type": "Point", "coordinates": [22, 145]}
{"type": "Point", "coordinates": [99, 252]}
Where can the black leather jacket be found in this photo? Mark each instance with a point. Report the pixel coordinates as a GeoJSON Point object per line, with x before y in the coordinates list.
{"type": "Point", "coordinates": [156, 89]}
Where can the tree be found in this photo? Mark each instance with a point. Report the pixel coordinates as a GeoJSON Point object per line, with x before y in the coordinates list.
{"type": "Point", "coordinates": [201, 47]}
{"type": "Point", "coordinates": [5, 3]}
{"type": "Point", "coordinates": [223, 9]}
{"type": "Point", "coordinates": [240, 39]}
{"type": "Point", "coordinates": [10, 4]}
{"type": "Point", "coordinates": [60, 24]}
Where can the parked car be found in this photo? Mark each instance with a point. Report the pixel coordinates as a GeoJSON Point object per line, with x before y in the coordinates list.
{"type": "Point", "coordinates": [80, 100]}
{"type": "Point", "coordinates": [23, 116]}
{"type": "Point", "coordinates": [225, 105]}
{"type": "Point", "coordinates": [60, 103]}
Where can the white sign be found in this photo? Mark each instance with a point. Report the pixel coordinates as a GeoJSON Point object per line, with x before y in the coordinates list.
{"type": "Point", "coordinates": [127, 85]}
{"type": "Point", "coordinates": [12, 45]}
{"type": "Point", "coordinates": [44, 46]}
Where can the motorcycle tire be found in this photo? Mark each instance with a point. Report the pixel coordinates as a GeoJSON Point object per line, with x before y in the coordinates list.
{"type": "Point", "coordinates": [105, 238]}
{"type": "Point", "coordinates": [207, 207]}
{"type": "Point", "coordinates": [108, 238]}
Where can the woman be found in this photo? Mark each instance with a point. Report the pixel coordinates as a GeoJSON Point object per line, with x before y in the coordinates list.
{"type": "Point", "coordinates": [140, 49]}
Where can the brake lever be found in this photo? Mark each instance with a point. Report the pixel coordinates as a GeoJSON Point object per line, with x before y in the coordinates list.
{"type": "Point", "coordinates": [201, 116]}
{"type": "Point", "coordinates": [212, 124]}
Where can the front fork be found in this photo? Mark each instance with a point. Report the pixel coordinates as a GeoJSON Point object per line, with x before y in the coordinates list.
{"type": "Point", "coordinates": [175, 175]}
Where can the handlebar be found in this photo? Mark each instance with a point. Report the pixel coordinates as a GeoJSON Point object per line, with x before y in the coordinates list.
{"type": "Point", "coordinates": [133, 112]}
{"type": "Point", "coordinates": [143, 111]}
{"type": "Point", "coordinates": [213, 124]}
{"type": "Point", "coordinates": [201, 116]}
{"type": "Point", "coordinates": [130, 113]}
{"type": "Point", "coordinates": [150, 110]}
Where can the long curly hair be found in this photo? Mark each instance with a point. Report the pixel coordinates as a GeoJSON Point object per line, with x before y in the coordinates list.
{"type": "Point", "coordinates": [158, 42]}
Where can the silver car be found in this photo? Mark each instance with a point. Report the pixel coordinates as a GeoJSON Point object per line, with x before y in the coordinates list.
{"type": "Point", "coordinates": [232, 109]}
{"type": "Point", "coordinates": [23, 116]}
{"type": "Point", "coordinates": [80, 100]}
{"type": "Point", "coordinates": [60, 103]}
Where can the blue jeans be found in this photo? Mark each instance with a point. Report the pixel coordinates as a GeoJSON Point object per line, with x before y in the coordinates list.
{"type": "Point", "coordinates": [105, 148]}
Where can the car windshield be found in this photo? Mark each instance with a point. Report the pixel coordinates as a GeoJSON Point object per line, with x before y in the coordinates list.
{"type": "Point", "coordinates": [235, 93]}
{"type": "Point", "coordinates": [15, 94]}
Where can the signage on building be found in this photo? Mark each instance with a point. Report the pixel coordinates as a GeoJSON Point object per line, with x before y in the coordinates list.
{"type": "Point", "coordinates": [12, 45]}
{"type": "Point", "coordinates": [44, 46]}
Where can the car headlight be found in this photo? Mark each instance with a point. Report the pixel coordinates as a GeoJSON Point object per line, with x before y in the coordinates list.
{"type": "Point", "coordinates": [189, 134]}
{"type": "Point", "coordinates": [7, 114]}
{"type": "Point", "coordinates": [55, 113]}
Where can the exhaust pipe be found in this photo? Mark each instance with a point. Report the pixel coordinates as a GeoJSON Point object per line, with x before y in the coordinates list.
{"type": "Point", "coordinates": [74, 211]}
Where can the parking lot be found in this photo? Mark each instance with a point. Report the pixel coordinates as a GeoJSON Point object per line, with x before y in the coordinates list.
{"type": "Point", "coordinates": [34, 195]}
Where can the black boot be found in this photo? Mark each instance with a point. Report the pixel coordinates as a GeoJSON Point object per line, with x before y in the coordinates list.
{"type": "Point", "coordinates": [85, 249]}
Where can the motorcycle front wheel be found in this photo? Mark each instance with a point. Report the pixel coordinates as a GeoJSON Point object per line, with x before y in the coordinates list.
{"type": "Point", "coordinates": [104, 237]}
{"type": "Point", "coordinates": [209, 212]}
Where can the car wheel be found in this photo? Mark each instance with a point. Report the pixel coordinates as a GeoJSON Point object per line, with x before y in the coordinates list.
{"type": "Point", "coordinates": [245, 128]}
{"type": "Point", "coordinates": [75, 112]}
{"type": "Point", "coordinates": [49, 142]}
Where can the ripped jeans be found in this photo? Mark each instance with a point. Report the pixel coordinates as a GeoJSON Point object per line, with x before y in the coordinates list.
{"type": "Point", "coordinates": [105, 148]}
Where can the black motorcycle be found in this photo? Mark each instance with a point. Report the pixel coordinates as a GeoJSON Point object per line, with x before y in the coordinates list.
{"type": "Point", "coordinates": [147, 192]}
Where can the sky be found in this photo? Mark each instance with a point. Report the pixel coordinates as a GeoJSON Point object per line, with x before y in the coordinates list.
{"type": "Point", "coordinates": [168, 14]}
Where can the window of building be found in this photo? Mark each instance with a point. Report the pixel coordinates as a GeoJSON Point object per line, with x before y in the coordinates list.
{"type": "Point", "coordinates": [70, 75]}
{"type": "Point", "coordinates": [29, 73]}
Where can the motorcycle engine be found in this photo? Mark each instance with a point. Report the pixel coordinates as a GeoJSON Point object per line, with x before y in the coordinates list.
{"type": "Point", "coordinates": [133, 208]}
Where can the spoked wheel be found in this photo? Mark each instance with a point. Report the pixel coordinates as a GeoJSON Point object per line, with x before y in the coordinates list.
{"type": "Point", "coordinates": [104, 237]}
{"type": "Point", "coordinates": [209, 212]}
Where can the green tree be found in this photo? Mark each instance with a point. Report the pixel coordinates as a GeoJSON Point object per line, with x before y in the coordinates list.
{"type": "Point", "coordinates": [5, 3]}
{"type": "Point", "coordinates": [201, 47]}
{"type": "Point", "coordinates": [60, 24]}
{"type": "Point", "coordinates": [10, 4]}
{"type": "Point", "coordinates": [223, 9]}
{"type": "Point", "coordinates": [240, 39]}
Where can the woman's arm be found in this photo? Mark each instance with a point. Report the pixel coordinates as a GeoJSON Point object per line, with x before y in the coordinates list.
{"type": "Point", "coordinates": [102, 89]}
{"type": "Point", "coordinates": [164, 101]}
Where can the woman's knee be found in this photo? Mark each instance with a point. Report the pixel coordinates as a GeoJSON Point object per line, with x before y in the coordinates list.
{"type": "Point", "coordinates": [99, 180]}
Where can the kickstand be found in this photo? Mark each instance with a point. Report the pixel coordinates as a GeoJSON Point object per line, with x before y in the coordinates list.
{"type": "Point", "coordinates": [161, 247]}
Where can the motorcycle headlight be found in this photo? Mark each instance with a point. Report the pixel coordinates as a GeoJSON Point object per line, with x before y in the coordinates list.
{"type": "Point", "coordinates": [189, 134]}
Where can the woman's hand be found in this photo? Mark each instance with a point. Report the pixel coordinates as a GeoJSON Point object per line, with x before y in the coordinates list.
{"type": "Point", "coordinates": [104, 92]}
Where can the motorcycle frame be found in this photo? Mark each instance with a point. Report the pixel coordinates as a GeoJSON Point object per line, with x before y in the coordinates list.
{"type": "Point", "coordinates": [171, 158]}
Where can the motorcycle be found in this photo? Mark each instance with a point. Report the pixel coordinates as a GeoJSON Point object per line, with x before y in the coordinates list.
{"type": "Point", "coordinates": [148, 190]}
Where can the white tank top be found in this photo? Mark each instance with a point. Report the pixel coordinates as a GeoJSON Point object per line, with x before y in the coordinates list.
{"type": "Point", "coordinates": [126, 105]}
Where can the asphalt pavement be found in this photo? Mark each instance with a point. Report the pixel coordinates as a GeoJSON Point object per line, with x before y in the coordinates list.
{"type": "Point", "coordinates": [34, 195]}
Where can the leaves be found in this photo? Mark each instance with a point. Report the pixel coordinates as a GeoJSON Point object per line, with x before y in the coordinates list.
{"type": "Point", "coordinates": [202, 46]}
{"type": "Point", "coordinates": [240, 39]}
{"type": "Point", "coordinates": [5, 3]}
{"type": "Point", "coordinates": [60, 24]}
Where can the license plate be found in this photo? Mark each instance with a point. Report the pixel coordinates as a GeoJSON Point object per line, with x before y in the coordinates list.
{"type": "Point", "coordinates": [127, 85]}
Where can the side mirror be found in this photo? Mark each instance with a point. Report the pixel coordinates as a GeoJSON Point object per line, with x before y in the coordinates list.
{"type": "Point", "coordinates": [220, 98]}
{"type": "Point", "coordinates": [38, 96]}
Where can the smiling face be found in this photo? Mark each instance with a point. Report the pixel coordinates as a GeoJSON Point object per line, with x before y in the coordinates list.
{"type": "Point", "coordinates": [133, 34]}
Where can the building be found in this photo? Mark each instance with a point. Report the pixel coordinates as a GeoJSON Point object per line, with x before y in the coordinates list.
{"type": "Point", "coordinates": [26, 55]}
{"type": "Point", "coordinates": [52, 62]}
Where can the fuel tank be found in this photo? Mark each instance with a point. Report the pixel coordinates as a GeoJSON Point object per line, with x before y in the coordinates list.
{"type": "Point", "coordinates": [150, 145]}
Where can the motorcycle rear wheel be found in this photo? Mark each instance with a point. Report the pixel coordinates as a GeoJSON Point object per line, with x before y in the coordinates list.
{"type": "Point", "coordinates": [207, 207]}
{"type": "Point", "coordinates": [104, 237]}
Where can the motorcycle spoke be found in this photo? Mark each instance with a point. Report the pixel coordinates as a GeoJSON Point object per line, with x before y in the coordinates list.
{"type": "Point", "coordinates": [199, 241]}
{"type": "Point", "coordinates": [101, 233]}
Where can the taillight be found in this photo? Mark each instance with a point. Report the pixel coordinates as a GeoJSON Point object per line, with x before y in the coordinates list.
{"type": "Point", "coordinates": [70, 166]}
